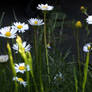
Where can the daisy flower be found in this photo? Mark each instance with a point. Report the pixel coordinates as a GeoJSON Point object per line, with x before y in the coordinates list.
{"type": "Point", "coordinates": [8, 32]}
{"type": "Point", "coordinates": [21, 27]}
{"type": "Point", "coordinates": [35, 22]}
{"type": "Point", "coordinates": [26, 47]}
{"type": "Point", "coordinates": [20, 80]}
{"type": "Point", "coordinates": [87, 47]}
{"type": "Point", "coordinates": [89, 19]}
{"type": "Point", "coordinates": [45, 7]}
{"type": "Point", "coordinates": [21, 67]}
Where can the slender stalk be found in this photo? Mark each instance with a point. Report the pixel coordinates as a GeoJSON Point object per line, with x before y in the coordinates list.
{"type": "Point", "coordinates": [41, 82]}
{"type": "Point", "coordinates": [85, 72]}
{"type": "Point", "coordinates": [32, 74]}
{"type": "Point", "coordinates": [23, 54]}
{"type": "Point", "coordinates": [46, 51]}
{"type": "Point", "coordinates": [15, 17]}
{"type": "Point", "coordinates": [36, 49]}
{"type": "Point", "coordinates": [76, 81]}
{"type": "Point", "coordinates": [31, 71]}
{"type": "Point", "coordinates": [1, 19]}
{"type": "Point", "coordinates": [12, 66]}
{"type": "Point", "coordinates": [78, 51]}
{"type": "Point", "coordinates": [28, 80]}
{"type": "Point", "coordinates": [36, 55]}
{"type": "Point", "coordinates": [75, 77]}
{"type": "Point", "coordinates": [62, 26]}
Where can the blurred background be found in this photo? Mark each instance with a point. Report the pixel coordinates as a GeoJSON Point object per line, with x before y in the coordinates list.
{"type": "Point", "coordinates": [27, 8]}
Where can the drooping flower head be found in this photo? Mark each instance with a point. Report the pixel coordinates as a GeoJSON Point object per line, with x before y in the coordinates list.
{"type": "Point", "coordinates": [8, 32]}
{"type": "Point", "coordinates": [78, 24]}
{"type": "Point", "coordinates": [21, 67]}
{"type": "Point", "coordinates": [21, 27]}
{"type": "Point", "coordinates": [45, 7]}
{"type": "Point", "coordinates": [35, 22]}
{"type": "Point", "coordinates": [25, 47]}
{"type": "Point", "coordinates": [20, 80]}
{"type": "Point", "coordinates": [87, 47]}
{"type": "Point", "coordinates": [84, 10]}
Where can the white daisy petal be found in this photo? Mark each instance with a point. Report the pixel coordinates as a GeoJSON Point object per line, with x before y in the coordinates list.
{"type": "Point", "coordinates": [21, 67]}
{"type": "Point", "coordinates": [87, 47]}
{"type": "Point", "coordinates": [20, 80]}
{"type": "Point", "coordinates": [44, 7]}
{"type": "Point", "coordinates": [8, 32]}
{"type": "Point", "coordinates": [26, 47]}
{"type": "Point", "coordinates": [24, 44]}
{"type": "Point", "coordinates": [89, 19]}
{"type": "Point", "coordinates": [21, 27]}
{"type": "Point", "coordinates": [35, 22]}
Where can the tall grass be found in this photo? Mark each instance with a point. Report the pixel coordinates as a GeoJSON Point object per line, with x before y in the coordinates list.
{"type": "Point", "coordinates": [85, 72]}
{"type": "Point", "coordinates": [27, 61]}
{"type": "Point", "coordinates": [12, 66]}
{"type": "Point", "coordinates": [46, 50]}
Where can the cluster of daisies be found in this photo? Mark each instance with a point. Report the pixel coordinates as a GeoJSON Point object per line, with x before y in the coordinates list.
{"type": "Point", "coordinates": [21, 68]}
{"type": "Point", "coordinates": [17, 27]}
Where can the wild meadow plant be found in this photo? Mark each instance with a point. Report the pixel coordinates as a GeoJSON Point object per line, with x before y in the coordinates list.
{"type": "Point", "coordinates": [78, 25]}
{"type": "Point", "coordinates": [30, 72]}
{"type": "Point", "coordinates": [36, 23]}
{"type": "Point", "coordinates": [87, 48]}
{"type": "Point", "coordinates": [19, 47]}
{"type": "Point", "coordinates": [45, 8]}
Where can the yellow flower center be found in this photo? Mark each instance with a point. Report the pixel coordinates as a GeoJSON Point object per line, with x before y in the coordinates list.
{"type": "Point", "coordinates": [36, 22]}
{"type": "Point", "coordinates": [19, 26]}
{"type": "Point", "coordinates": [78, 24]}
{"type": "Point", "coordinates": [20, 79]}
{"type": "Point", "coordinates": [8, 34]}
{"type": "Point", "coordinates": [89, 47]}
{"type": "Point", "coordinates": [21, 67]}
{"type": "Point", "coordinates": [45, 6]}
{"type": "Point", "coordinates": [23, 49]}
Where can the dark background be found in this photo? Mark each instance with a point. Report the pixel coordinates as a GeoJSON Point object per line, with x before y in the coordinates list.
{"type": "Point", "coordinates": [25, 9]}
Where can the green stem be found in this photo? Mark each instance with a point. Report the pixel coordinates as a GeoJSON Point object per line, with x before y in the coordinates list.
{"type": "Point", "coordinates": [76, 81]}
{"type": "Point", "coordinates": [85, 72]}
{"type": "Point", "coordinates": [75, 77]}
{"type": "Point", "coordinates": [32, 71]}
{"type": "Point", "coordinates": [46, 51]}
{"type": "Point", "coordinates": [78, 52]}
{"type": "Point", "coordinates": [28, 81]}
{"type": "Point", "coordinates": [27, 61]}
{"type": "Point", "coordinates": [41, 82]}
{"type": "Point", "coordinates": [36, 48]}
{"type": "Point", "coordinates": [27, 73]}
